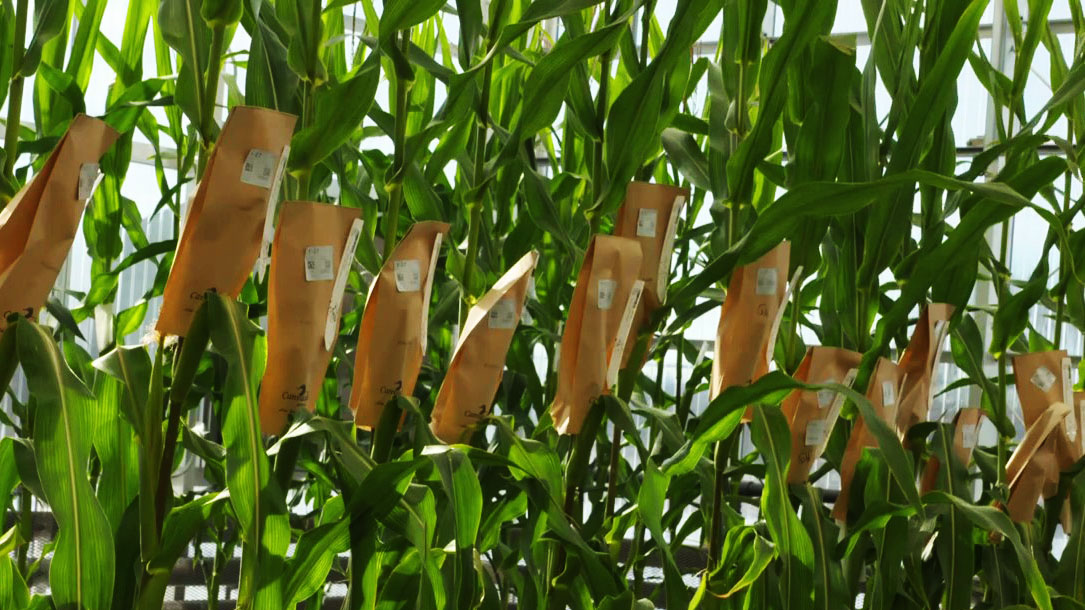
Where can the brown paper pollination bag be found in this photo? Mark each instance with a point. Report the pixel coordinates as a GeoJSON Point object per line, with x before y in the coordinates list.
{"type": "Point", "coordinates": [748, 321]}
{"type": "Point", "coordinates": [917, 365]}
{"type": "Point", "coordinates": [882, 392]}
{"type": "Point", "coordinates": [811, 415]}
{"type": "Point", "coordinates": [1051, 443]}
{"type": "Point", "coordinates": [966, 429]}
{"type": "Point", "coordinates": [1033, 469]}
{"type": "Point", "coordinates": [224, 225]}
{"type": "Point", "coordinates": [474, 373]}
{"type": "Point", "coordinates": [393, 331]}
{"type": "Point", "coordinates": [650, 216]}
{"type": "Point", "coordinates": [604, 304]}
{"type": "Point", "coordinates": [39, 224]}
{"type": "Point", "coordinates": [309, 250]}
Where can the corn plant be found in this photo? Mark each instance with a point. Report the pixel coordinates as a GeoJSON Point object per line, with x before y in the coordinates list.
{"type": "Point", "coordinates": [520, 123]}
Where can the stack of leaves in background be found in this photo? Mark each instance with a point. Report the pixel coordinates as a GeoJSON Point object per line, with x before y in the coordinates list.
{"type": "Point", "coordinates": [522, 139]}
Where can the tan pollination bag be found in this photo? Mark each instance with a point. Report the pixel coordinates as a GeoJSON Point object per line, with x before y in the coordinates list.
{"type": "Point", "coordinates": [882, 392]}
{"type": "Point", "coordinates": [604, 304]}
{"type": "Point", "coordinates": [474, 373]}
{"type": "Point", "coordinates": [1033, 470]}
{"type": "Point", "coordinates": [224, 225]}
{"type": "Point", "coordinates": [1045, 389]}
{"type": "Point", "coordinates": [649, 215]}
{"type": "Point", "coordinates": [966, 433]}
{"type": "Point", "coordinates": [39, 224]}
{"type": "Point", "coordinates": [313, 247]}
{"type": "Point", "coordinates": [749, 321]}
{"type": "Point", "coordinates": [812, 414]}
{"type": "Point", "coordinates": [917, 365]}
{"type": "Point", "coordinates": [393, 331]}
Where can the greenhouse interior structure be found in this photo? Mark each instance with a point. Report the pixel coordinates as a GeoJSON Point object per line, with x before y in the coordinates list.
{"type": "Point", "coordinates": [586, 304]}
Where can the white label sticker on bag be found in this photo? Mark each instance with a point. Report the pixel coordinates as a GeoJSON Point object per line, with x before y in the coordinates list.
{"type": "Point", "coordinates": [318, 264]}
{"type": "Point", "coordinates": [259, 168]}
{"type": "Point", "coordinates": [889, 394]}
{"type": "Point", "coordinates": [331, 324]}
{"type": "Point", "coordinates": [766, 282]}
{"type": "Point", "coordinates": [970, 435]}
{"type": "Point", "coordinates": [826, 396]}
{"type": "Point", "coordinates": [1043, 378]}
{"type": "Point", "coordinates": [646, 222]}
{"type": "Point", "coordinates": [88, 180]}
{"type": "Point", "coordinates": [502, 315]}
{"type": "Point", "coordinates": [816, 432]}
{"type": "Point", "coordinates": [606, 290]}
{"type": "Point", "coordinates": [408, 275]}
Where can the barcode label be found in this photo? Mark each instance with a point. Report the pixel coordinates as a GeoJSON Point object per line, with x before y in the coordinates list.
{"type": "Point", "coordinates": [408, 275]}
{"type": "Point", "coordinates": [766, 282]}
{"type": "Point", "coordinates": [502, 315]}
{"type": "Point", "coordinates": [970, 435]}
{"type": "Point", "coordinates": [607, 288]}
{"type": "Point", "coordinates": [889, 394]}
{"type": "Point", "coordinates": [816, 432]}
{"type": "Point", "coordinates": [1043, 378]}
{"type": "Point", "coordinates": [319, 264]}
{"type": "Point", "coordinates": [88, 180]}
{"type": "Point", "coordinates": [259, 168]}
{"type": "Point", "coordinates": [646, 222]}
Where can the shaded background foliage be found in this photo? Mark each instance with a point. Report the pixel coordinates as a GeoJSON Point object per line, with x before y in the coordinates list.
{"type": "Point", "coordinates": [521, 123]}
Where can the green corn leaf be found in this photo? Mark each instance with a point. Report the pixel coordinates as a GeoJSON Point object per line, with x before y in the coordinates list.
{"type": "Point", "coordinates": [993, 520]}
{"type": "Point", "coordinates": [464, 493]}
{"type": "Point", "coordinates": [315, 554]}
{"type": "Point", "coordinates": [773, 440]}
{"type": "Point", "coordinates": [9, 472]}
{"type": "Point", "coordinates": [81, 572]}
{"type": "Point", "coordinates": [650, 505]}
{"type": "Point", "coordinates": [823, 199]}
{"type": "Point", "coordinates": [887, 224]}
{"type": "Point", "coordinates": [254, 494]}
{"type": "Point", "coordinates": [340, 109]}
{"type": "Point", "coordinates": [269, 81]}
{"type": "Point", "coordinates": [81, 58]}
{"type": "Point", "coordinates": [1071, 566]}
{"type": "Point", "coordinates": [806, 20]}
{"type": "Point", "coordinates": [50, 18]}
{"type": "Point", "coordinates": [115, 444]}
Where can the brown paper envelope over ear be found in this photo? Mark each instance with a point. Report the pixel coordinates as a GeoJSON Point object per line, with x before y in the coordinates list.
{"type": "Point", "coordinates": [917, 365]}
{"type": "Point", "coordinates": [593, 343]}
{"type": "Point", "coordinates": [394, 327]}
{"type": "Point", "coordinates": [305, 257]}
{"type": "Point", "coordinates": [39, 224]}
{"type": "Point", "coordinates": [224, 225]}
{"type": "Point", "coordinates": [754, 297]}
{"type": "Point", "coordinates": [882, 392]}
{"type": "Point", "coordinates": [1043, 378]}
{"type": "Point", "coordinates": [650, 216]}
{"type": "Point", "coordinates": [811, 415]}
{"type": "Point", "coordinates": [474, 373]}
{"type": "Point", "coordinates": [966, 429]}
{"type": "Point", "coordinates": [1033, 466]}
